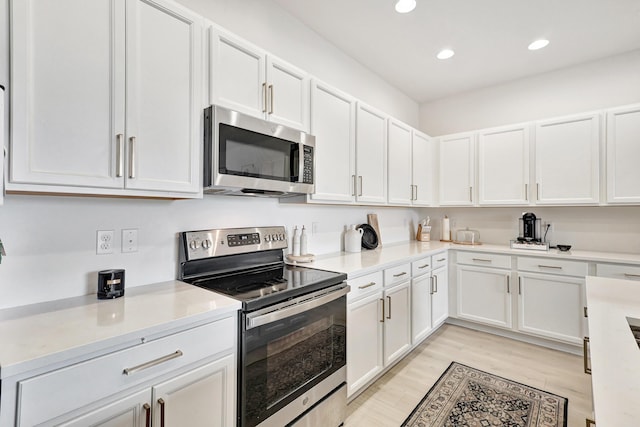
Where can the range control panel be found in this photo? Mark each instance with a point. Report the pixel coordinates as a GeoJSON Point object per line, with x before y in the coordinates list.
{"type": "Point", "coordinates": [229, 241]}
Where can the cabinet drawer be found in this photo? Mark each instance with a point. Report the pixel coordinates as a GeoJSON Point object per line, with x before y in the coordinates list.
{"type": "Point", "coordinates": [421, 266]}
{"type": "Point", "coordinates": [617, 271]}
{"type": "Point", "coordinates": [483, 259]}
{"type": "Point", "coordinates": [58, 392]}
{"type": "Point", "coordinates": [439, 260]}
{"type": "Point", "coordinates": [364, 285]}
{"type": "Point", "coordinates": [553, 266]}
{"type": "Point", "coordinates": [397, 274]}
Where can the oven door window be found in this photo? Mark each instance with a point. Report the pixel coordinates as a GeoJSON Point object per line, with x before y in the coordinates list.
{"type": "Point", "coordinates": [283, 359]}
{"type": "Point", "coordinates": [247, 153]}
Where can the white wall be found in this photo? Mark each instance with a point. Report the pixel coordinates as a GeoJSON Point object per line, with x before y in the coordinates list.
{"type": "Point", "coordinates": [601, 84]}
{"type": "Point", "coordinates": [611, 228]}
{"type": "Point", "coordinates": [51, 241]}
{"type": "Point", "coordinates": [265, 24]}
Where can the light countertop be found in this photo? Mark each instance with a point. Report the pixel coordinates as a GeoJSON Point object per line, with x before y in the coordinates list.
{"type": "Point", "coordinates": [361, 263]}
{"type": "Point", "coordinates": [41, 334]}
{"type": "Point", "coordinates": [615, 356]}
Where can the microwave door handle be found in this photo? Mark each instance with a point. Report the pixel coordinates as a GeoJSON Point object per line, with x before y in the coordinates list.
{"type": "Point", "coordinates": [300, 162]}
{"type": "Point", "coordinates": [283, 313]}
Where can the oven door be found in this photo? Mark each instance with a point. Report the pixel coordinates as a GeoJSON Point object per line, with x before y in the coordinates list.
{"type": "Point", "coordinates": [288, 349]}
{"type": "Point", "coordinates": [251, 153]}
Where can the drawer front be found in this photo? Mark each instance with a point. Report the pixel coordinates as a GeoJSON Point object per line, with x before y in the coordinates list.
{"type": "Point", "coordinates": [364, 285]}
{"type": "Point", "coordinates": [397, 274]}
{"type": "Point", "coordinates": [421, 266]}
{"type": "Point", "coordinates": [484, 260]}
{"type": "Point", "coordinates": [553, 266]}
{"type": "Point", "coordinates": [617, 271]}
{"type": "Point", "coordinates": [439, 260]}
{"type": "Point", "coordinates": [56, 393]}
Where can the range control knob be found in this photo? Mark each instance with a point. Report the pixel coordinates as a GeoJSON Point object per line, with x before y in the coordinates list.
{"type": "Point", "coordinates": [193, 245]}
{"type": "Point", "coordinates": [274, 237]}
{"type": "Point", "coordinates": [267, 238]}
{"type": "Point", "coordinates": [282, 236]}
{"type": "Point", "coordinates": [206, 244]}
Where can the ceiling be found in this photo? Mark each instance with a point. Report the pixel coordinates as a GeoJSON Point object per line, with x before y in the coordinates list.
{"type": "Point", "coordinates": [490, 38]}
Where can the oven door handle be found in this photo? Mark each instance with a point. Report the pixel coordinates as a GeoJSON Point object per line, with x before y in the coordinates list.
{"type": "Point", "coordinates": [303, 304]}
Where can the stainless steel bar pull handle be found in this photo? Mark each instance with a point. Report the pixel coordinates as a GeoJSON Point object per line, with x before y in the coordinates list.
{"type": "Point", "coordinates": [431, 285]}
{"type": "Point", "coordinates": [147, 415]}
{"type": "Point", "coordinates": [631, 275]}
{"type": "Point", "coordinates": [555, 267]}
{"type": "Point", "coordinates": [585, 343]}
{"type": "Point", "coordinates": [423, 266]}
{"type": "Point", "coordinates": [435, 291]}
{"type": "Point", "coordinates": [526, 192]}
{"type": "Point", "coordinates": [471, 194]}
{"type": "Point", "coordinates": [389, 311]}
{"type": "Point", "coordinates": [264, 97]}
{"type": "Point", "coordinates": [586, 314]}
{"type": "Point", "coordinates": [508, 285]}
{"type": "Point", "coordinates": [360, 178]}
{"type": "Point", "coordinates": [519, 285]}
{"type": "Point", "coordinates": [132, 157]}
{"type": "Point", "coordinates": [382, 301]}
{"type": "Point", "coordinates": [480, 259]}
{"type": "Point", "coordinates": [161, 402]}
{"type": "Point", "coordinates": [400, 274]}
{"type": "Point", "coordinates": [368, 285]}
{"type": "Point", "coordinates": [270, 99]}
{"type": "Point", "coordinates": [119, 155]}
{"type": "Point", "coordinates": [151, 363]}
{"type": "Point", "coordinates": [355, 185]}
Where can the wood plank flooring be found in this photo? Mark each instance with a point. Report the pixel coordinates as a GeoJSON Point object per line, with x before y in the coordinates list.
{"type": "Point", "coordinates": [388, 401]}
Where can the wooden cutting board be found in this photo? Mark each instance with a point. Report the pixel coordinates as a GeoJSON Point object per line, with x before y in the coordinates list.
{"type": "Point", "coordinates": [372, 219]}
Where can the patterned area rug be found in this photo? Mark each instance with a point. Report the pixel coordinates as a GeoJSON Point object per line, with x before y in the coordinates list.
{"type": "Point", "coordinates": [467, 397]}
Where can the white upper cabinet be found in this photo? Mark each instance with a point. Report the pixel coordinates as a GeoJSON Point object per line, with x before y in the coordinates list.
{"type": "Point", "coordinates": [623, 152]}
{"type": "Point", "coordinates": [399, 155]}
{"type": "Point", "coordinates": [422, 167]}
{"type": "Point", "coordinates": [2, 146]}
{"type": "Point", "coordinates": [457, 170]}
{"type": "Point", "coordinates": [333, 122]}
{"type": "Point", "coordinates": [371, 155]}
{"type": "Point", "coordinates": [247, 79]}
{"type": "Point", "coordinates": [567, 160]}
{"type": "Point", "coordinates": [98, 105]}
{"type": "Point", "coordinates": [503, 166]}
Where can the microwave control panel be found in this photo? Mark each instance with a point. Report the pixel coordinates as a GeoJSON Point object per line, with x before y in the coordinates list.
{"type": "Point", "coordinates": [307, 175]}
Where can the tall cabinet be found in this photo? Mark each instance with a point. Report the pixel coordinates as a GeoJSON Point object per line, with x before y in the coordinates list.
{"type": "Point", "coordinates": [106, 94]}
{"type": "Point", "coordinates": [457, 173]}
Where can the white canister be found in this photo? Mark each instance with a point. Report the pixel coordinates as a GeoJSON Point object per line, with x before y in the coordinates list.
{"type": "Point", "coordinates": [353, 239]}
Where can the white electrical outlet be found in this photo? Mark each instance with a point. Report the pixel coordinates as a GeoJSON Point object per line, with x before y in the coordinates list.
{"type": "Point", "coordinates": [130, 240]}
{"type": "Point", "coordinates": [104, 242]}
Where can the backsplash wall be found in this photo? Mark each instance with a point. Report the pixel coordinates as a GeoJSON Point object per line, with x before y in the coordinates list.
{"type": "Point", "coordinates": [51, 241]}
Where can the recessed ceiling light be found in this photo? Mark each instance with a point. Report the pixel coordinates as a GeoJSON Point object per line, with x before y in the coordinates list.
{"type": "Point", "coordinates": [405, 6]}
{"type": "Point", "coordinates": [445, 54]}
{"type": "Point", "coordinates": [538, 44]}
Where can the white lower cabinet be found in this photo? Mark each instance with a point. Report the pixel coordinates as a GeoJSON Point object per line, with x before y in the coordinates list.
{"type": "Point", "coordinates": [440, 296]}
{"type": "Point", "coordinates": [484, 295]}
{"type": "Point", "coordinates": [397, 321]}
{"type": "Point", "coordinates": [187, 378]}
{"type": "Point", "coordinates": [551, 306]}
{"type": "Point", "coordinates": [421, 290]}
{"type": "Point", "coordinates": [365, 329]}
{"type": "Point", "coordinates": [201, 397]}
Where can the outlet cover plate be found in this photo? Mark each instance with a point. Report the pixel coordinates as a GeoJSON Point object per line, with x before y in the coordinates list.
{"type": "Point", "coordinates": [104, 242]}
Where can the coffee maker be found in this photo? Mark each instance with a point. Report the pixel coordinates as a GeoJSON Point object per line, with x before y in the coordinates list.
{"type": "Point", "coordinates": [530, 229]}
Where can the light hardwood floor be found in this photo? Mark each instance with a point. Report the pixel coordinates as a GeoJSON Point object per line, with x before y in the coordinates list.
{"type": "Point", "coordinates": [388, 401]}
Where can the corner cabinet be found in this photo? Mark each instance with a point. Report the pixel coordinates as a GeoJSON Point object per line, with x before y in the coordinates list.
{"type": "Point", "coordinates": [422, 169]}
{"type": "Point", "coordinates": [245, 78]}
{"type": "Point", "coordinates": [106, 97]}
{"type": "Point", "coordinates": [333, 123]}
{"type": "Point", "coordinates": [567, 160]}
{"type": "Point", "coordinates": [371, 155]}
{"type": "Point", "coordinates": [457, 175]}
{"type": "Point", "coordinates": [623, 152]}
{"type": "Point", "coordinates": [503, 166]}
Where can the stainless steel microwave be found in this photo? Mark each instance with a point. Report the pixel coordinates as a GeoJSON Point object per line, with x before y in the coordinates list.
{"type": "Point", "coordinates": [244, 155]}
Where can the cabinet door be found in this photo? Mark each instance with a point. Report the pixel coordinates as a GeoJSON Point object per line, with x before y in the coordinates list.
{"type": "Point", "coordinates": [484, 295]}
{"type": "Point", "coordinates": [399, 155]}
{"type": "Point", "coordinates": [551, 306]}
{"type": "Point", "coordinates": [567, 156]}
{"type": "Point", "coordinates": [397, 322]}
{"type": "Point", "coordinates": [287, 94]}
{"type": "Point", "coordinates": [68, 88]}
{"type": "Point", "coordinates": [203, 397]}
{"type": "Point", "coordinates": [421, 289]}
{"type": "Point", "coordinates": [623, 152]}
{"type": "Point", "coordinates": [333, 119]}
{"type": "Point", "coordinates": [164, 103]}
{"type": "Point", "coordinates": [131, 411]}
{"type": "Point", "coordinates": [503, 166]}
{"type": "Point", "coordinates": [2, 146]}
{"type": "Point", "coordinates": [237, 69]}
{"type": "Point", "coordinates": [364, 341]}
{"type": "Point", "coordinates": [371, 155]}
{"type": "Point", "coordinates": [440, 297]}
{"type": "Point", "coordinates": [422, 168]}
{"type": "Point", "coordinates": [456, 170]}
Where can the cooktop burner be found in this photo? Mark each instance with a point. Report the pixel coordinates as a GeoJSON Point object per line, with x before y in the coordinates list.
{"type": "Point", "coordinates": [248, 265]}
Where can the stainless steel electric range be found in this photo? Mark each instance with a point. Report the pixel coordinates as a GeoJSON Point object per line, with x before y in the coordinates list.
{"type": "Point", "coordinates": [292, 325]}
